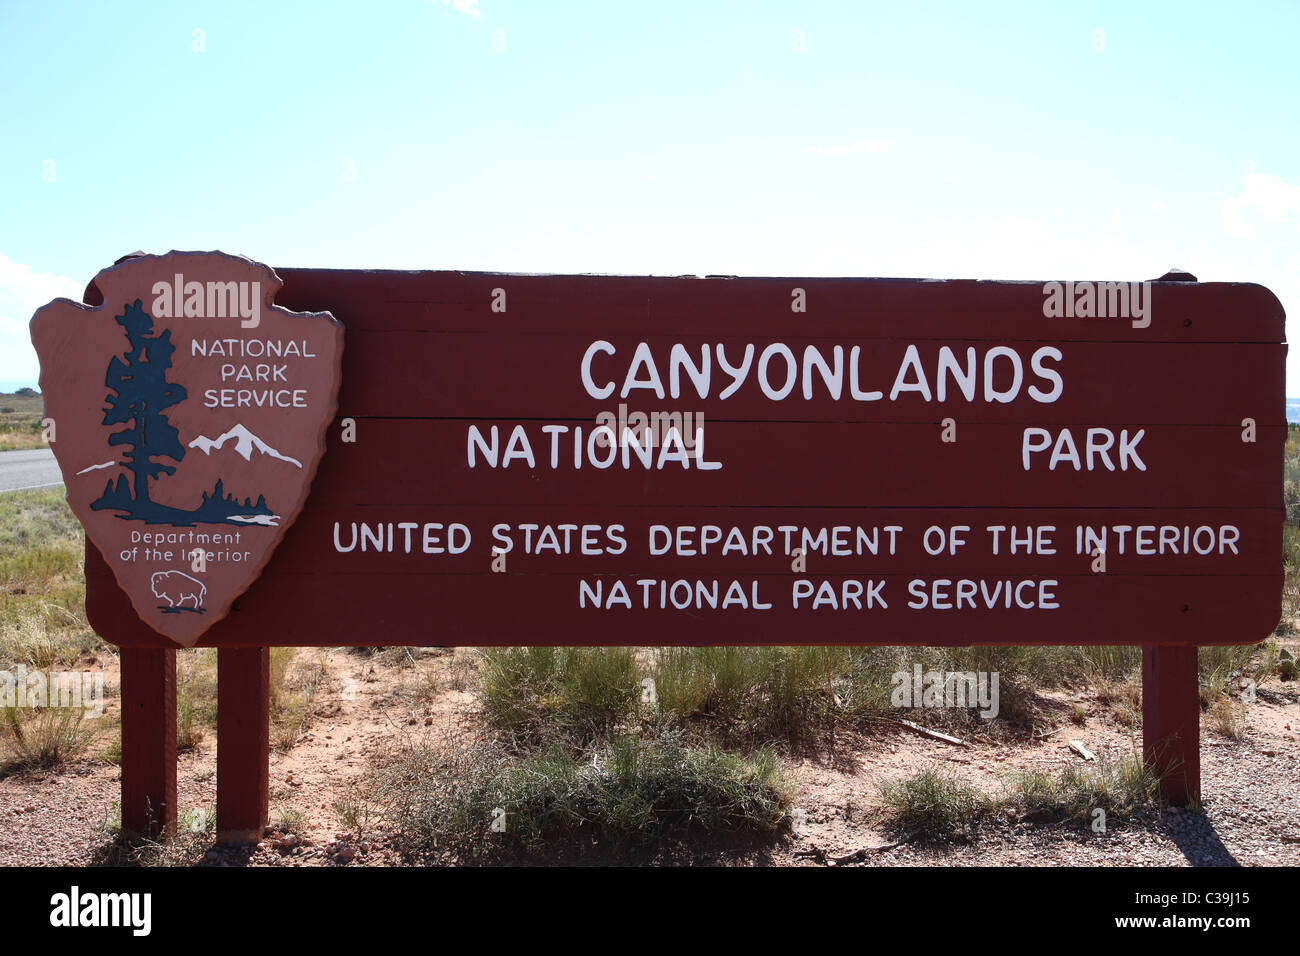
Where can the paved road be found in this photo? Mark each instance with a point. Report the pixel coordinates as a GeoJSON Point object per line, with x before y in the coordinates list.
{"type": "Point", "coordinates": [28, 469]}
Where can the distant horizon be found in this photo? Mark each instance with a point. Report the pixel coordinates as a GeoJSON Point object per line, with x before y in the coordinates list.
{"type": "Point", "coordinates": [10, 386]}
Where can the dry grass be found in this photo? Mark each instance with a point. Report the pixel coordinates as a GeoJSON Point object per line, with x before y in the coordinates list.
{"type": "Point", "coordinates": [20, 421]}
{"type": "Point", "coordinates": [42, 613]}
{"type": "Point", "coordinates": [195, 832]}
{"type": "Point", "coordinates": [37, 739]}
{"type": "Point", "coordinates": [939, 802]}
{"type": "Point", "coordinates": [567, 695]}
{"type": "Point", "coordinates": [296, 679]}
{"type": "Point", "coordinates": [470, 796]}
{"type": "Point", "coordinates": [1228, 718]}
{"type": "Point", "coordinates": [196, 696]}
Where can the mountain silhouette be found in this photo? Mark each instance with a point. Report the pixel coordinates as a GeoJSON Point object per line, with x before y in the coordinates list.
{"type": "Point", "coordinates": [245, 443]}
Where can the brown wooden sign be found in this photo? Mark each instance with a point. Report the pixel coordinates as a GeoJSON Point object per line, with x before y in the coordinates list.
{"type": "Point", "coordinates": [617, 460]}
{"type": "Point", "coordinates": [188, 415]}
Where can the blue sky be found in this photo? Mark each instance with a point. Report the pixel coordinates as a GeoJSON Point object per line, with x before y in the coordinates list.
{"type": "Point", "coordinates": [1028, 141]}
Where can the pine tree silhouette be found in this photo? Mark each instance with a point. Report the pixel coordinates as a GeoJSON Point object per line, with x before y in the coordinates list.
{"type": "Point", "coordinates": [140, 392]}
{"type": "Point", "coordinates": [138, 381]}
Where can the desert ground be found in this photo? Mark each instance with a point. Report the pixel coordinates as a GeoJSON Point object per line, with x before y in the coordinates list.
{"type": "Point", "coordinates": [357, 710]}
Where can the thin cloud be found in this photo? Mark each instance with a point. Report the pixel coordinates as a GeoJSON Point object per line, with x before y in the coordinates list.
{"type": "Point", "coordinates": [1265, 199]}
{"type": "Point", "coordinates": [871, 145]}
{"type": "Point", "coordinates": [462, 6]}
{"type": "Point", "coordinates": [22, 292]}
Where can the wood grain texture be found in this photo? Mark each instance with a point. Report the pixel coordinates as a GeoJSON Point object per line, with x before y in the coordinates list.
{"type": "Point", "coordinates": [243, 743]}
{"type": "Point", "coordinates": [1171, 721]}
{"type": "Point", "coordinates": [429, 362]}
{"type": "Point", "coordinates": [148, 736]}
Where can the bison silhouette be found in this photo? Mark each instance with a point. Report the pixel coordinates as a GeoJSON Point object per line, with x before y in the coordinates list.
{"type": "Point", "coordinates": [177, 587]}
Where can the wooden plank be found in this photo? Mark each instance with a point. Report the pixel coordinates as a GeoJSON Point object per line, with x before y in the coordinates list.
{"type": "Point", "coordinates": [312, 608]}
{"type": "Point", "coordinates": [464, 394]}
{"type": "Point", "coordinates": [1171, 720]}
{"type": "Point", "coordinates": [426, 462]}
{"type": "Point", "coordinates": [1100, 383]}
{"type": "Point", "coordinates": [243, 743]}
{"type": "Point", "coordinates": [148, 734]}
{"type": "Point", "coordinates": [889, 308]}
{"type": "Point", "coordinates": [607, 538]}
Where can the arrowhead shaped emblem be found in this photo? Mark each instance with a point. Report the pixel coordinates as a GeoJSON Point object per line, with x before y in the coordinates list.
{"type": "Point", "coordinates": [189, 415]}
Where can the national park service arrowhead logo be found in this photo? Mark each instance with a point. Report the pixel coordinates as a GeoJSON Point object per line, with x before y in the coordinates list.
{"type": "Point", "coordinates": [189, 414]}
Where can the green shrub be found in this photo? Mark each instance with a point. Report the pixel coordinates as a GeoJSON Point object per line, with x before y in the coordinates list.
{"type": "Point", "coordinates": [41, 738]}
{"type": "Point", "coordinates": [772, 690]}
{"type": "Point", "coordinates": [573, 693]}
{"type": "Point", "coordinates": [1120, 787]}
{"type": "Point", "coordinates": [935, 801]}
{"type": "Point", "coordinates": [448, 796]}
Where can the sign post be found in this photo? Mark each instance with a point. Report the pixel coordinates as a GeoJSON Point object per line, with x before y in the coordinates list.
{"type": "Point", "coordinates": [1171, 720]}
{"type": "Point", "coordinates": [594, 460]}
{"type": "Point", "coordinates": [149, 739]}
{"type": "Point", "coordinates": [243, 743]}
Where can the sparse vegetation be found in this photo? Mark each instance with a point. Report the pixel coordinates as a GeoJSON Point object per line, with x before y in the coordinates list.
{"type": "Point", "coordinates": [20, 420]}
{"type": "Point", "coordinates": [42, 626]}
{"type": "Point", "coordinates": [772, 692]}
{"type": "Point", "coordinates": [196, 696]}
{"type": "Point", "coordinates": [768, 691]}
{"type": "Point", "coordinates": [45, 640]}
{"type": "Point", "coordinates": [1228, 717]}
{"type": "Point", "coordinates": [1120, 787]}
{"type": "Point", "coordinates": [1222, 669]}
{"type": "Point", "coordinates": [1287, 668]}
{"type": "Point", "coordinates": [935, 801]}
{"type": "Point", "coordinates": [558, 694]}
{"type": "Point", "coordinates": [195, 830]}
{"type": "Point", "coordinates": [755, 695]}
{"type": "Point", "coordinates": [295, 681]}
{"type": "Point", "coordinates": [1123, 697]}
{"type": "Point", "coordinates": [478, 796]}
{"type": "Point", "coordinates": [939, 802]}
{"type": "Point", "coordinates": [41, 738]}
{"type": "Point", "coordinates": [42, 614]}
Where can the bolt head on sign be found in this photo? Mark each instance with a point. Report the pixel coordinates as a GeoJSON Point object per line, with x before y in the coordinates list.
{"type": "Point", "coordinates": [189, 417]}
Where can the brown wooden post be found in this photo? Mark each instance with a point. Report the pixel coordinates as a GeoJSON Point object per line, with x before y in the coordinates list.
{"type": "Point", "coordinates": [1171, 720]}
{"type": "Point", "coordinates": [149, 740]}
{"type": "Point", "coordinates": [243, 743]}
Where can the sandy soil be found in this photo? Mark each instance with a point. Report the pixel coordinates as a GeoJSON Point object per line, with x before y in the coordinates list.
{"type": "Point", "coordinates": [1251, 813]}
